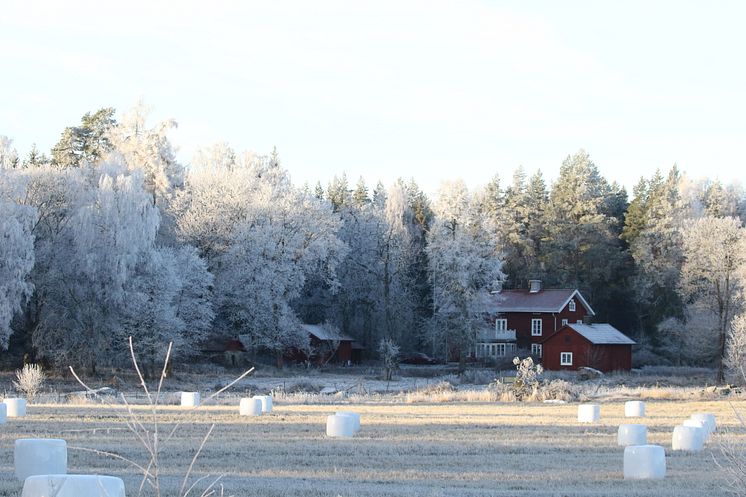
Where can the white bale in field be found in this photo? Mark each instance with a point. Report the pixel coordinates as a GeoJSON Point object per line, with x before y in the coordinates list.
{"type": "Point", "coordinates": [589, 413]}
{"type": "Point", "coordinates": [3, 413]}
{"type": "Point", "coordinates": [644, 462]}
{"type": "Point", "coordinates": [688, 438]}
{"type": "Point", "coordinates": [698, 423]}
{"type": "Point", "coordinates": [16, 408]}
{"type": "Point", "coordinates": [73, 486]}
{"type": "Point", "coordinates": [634, 409]}
{"type": "Point", "coordinates": [340, 426]}
{"type": "Point", "coordinates": [189, 399]}
{"type": "Point", "coordinates": [355, 418]}
{"type": "Point", "coordinates": [40, 456]}
{"type": "Point", "coordinates": [250, 407]}
{"type": "Point", "coordinates": [266, 402]}
{"type": "Point", "coordinates": [707, 419]}
{"type": "Point", "coordinates": [632, 434]}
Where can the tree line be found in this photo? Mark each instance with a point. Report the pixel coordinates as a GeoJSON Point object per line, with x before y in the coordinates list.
{"type": "Point", "coordinates": [110, 236]}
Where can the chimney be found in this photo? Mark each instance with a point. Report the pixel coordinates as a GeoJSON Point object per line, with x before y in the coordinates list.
{"type": "Point", "coordinates": [534, 286]}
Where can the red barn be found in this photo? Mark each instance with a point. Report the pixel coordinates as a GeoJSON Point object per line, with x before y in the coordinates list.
{"type": "Point", "coordinates": [524, 318]}
{"type": "Point", "coordinates": [327, 345]}
{"type": "Point", "coordinates": [598, 346]}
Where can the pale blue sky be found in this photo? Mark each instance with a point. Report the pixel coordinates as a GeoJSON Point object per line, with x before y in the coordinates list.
{"type": "Point", "coordinates": [426, 89]}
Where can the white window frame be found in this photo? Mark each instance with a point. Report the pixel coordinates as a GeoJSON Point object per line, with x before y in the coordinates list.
{"type": "Point", "coordinates": [571, 306]}
{"type": "Point", "coordinates": [501, 324]}
{"type": "Point", "coordinates": [565, 358]}
{"type": "Point", "coordinates": [564, 322]}
{"type": "Point", "coordinates": [579, 321]}
{"type": "Point", "coordinates": [536, 330]}
{"type": "Point", "coordinates": [536, 349]}
{"type": "Point", "coordinates": [500, 350]}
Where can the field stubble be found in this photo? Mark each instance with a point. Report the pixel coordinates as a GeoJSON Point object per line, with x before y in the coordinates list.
{"type": "Point", "coordinates": [427, 449]}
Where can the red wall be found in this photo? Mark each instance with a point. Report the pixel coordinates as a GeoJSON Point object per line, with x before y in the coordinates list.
{"type": "Point", "coordinates": [584, 353]}
{"type": "Point", "coordinates": [521, 322]}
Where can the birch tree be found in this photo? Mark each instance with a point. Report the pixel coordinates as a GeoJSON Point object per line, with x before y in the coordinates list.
{"type": "Point", "coordinates": [464, 263]}
{"type": "Point", "coordinates": [113, 223]}
{"type": "Point", "coordinates": [712, 275]}
{"type": "Point", "coordinates": [16, 253]}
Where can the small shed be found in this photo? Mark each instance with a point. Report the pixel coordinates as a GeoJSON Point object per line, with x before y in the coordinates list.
{"type": "Point", "coordinates": [599, 346]}
{"type": "Point", "coordinates": [327, 345]}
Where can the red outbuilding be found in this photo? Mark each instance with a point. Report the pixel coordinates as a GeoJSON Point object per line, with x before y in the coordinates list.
{"type": "Point", "coordinates": [599, 346]}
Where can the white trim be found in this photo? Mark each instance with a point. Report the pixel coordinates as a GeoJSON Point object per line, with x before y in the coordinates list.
{"type": "Point", "coordinates": [564, 322]}
{"type": "Point", "coordinates": [501, 324]}
{"type": "Point", "coordinates": [535, 329]}
{"type": "Point", "coordinates": [571, 305]}
{"type": "Point", "coordinates": [536, 349]}
{"type": "Point", "coordinates": [565, 358]}
{"type": "Point", "coordinates": [582, 301]}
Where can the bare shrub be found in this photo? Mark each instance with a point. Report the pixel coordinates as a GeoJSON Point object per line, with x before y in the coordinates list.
{"type": "Point", "coordinates": [558, 390]}
{"type": "Point", "coordinates": [389, 352]}
{"type": "Point", "coordinates": [147, 429]}
{"type": "Point", "coordinates": [29, 380]}
{"type": "Point", "coordinates": [527, 378]}
{"type": "Point", "coordinates": [477, 376]}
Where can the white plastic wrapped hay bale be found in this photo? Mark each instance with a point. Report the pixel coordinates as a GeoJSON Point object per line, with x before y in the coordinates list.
{"type": "Point", "coordinates": [355, 418]}
{"type": "Point", "coordinates": [697, 423]}
{"type": "Point", "coordinates": [632, 434]}
{"type": "Point", "coordinates": [73, 486]}
{"type": "Point", "coordinates": [589, 413]}
{"type": "Point", "coordinates": [340, 426]}
{"type": "Point", "coordinates": [266, 401]}
{"type": "Point", "coordinates": [708, 420]}
{"type": "Point", "coordinates": [644, 462]}
{"type": "Point", "coordinates": [690, 438]}
{"type": "Point", "coordinates": [16, 408]}
{"type": "Point", "coordinates": [40, 456]}
{"type": "Point", "coordinates": [250, 407]}
{"type": "Point", "coordinates": [3, 413]}
{"type": "Point", "coordinates": [189, 399]}
{"type": "Point", "coordinates": [634, 409]}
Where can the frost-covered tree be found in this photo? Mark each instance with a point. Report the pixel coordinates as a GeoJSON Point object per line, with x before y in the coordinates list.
{"type": "Point", "coordinates": [713, 272]}
{"type": "Point", "coordinates": [8, 154]}
{"type": "Point", "coordinates": [147, 149]}
{"type": "Point", "coordinates": [262, 239]}
{"type": "Point", "coordinates": [85, 285]}
{"type": "Point", "coordinates": [168, 301]}
{"type": "Point", "coordinates": [735, 358]}
{"type": "Point", "coordinates": [652, 229]}
{"type": "Point", "coordinates": [16, 253]}
{"type": "Point", "coordinates": [380, 294]}
{"type": "Point", "coordinates": [35, 158]}
{"type": "Point", "coordinates": [464, 263]}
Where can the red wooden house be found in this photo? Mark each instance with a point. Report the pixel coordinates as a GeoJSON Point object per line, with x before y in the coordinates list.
{"type": "Point", "coordinates": [599, 346]}
{"type": "Point", "coordinates": [524, 318]}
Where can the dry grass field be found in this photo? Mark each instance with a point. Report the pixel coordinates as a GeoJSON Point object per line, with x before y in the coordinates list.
{"type": "Point", "coordinates": [444, 449]}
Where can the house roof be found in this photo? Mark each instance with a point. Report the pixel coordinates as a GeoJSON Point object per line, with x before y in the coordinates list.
{"type": "Point", "coordinates": [601, 334]}
{"type": "Point", "coordinates": [323, 333]}
{"type": "Point", "coordinates": [548, 300]}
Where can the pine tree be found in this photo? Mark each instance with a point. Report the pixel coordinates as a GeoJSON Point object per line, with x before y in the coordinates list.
{"type": "Point", "coordinates": [87, 143]}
